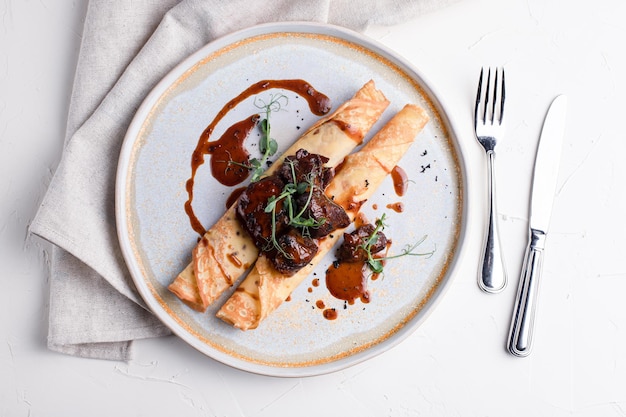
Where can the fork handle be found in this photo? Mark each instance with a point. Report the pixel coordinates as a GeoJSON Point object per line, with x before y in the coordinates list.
{"type": "Point", "coordinates": [492, 272]}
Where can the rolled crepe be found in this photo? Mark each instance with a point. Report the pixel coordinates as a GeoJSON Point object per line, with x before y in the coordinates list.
{"type": "Point", "coordinates": [264, 289]}
{"type": "Point", "coordinates": [226, 251]}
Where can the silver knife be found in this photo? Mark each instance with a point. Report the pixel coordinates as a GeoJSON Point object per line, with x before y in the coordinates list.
{"type": "Point", "coordinates": [544, 187]}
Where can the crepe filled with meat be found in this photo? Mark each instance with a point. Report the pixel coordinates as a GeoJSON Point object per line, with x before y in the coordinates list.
{"type": "Point", "coordinates": [227, 250]}
{"type": "Point", "coordinates": [270, 282]}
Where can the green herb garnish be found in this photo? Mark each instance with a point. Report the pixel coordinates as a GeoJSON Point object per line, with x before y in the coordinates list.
{"type": "Point", "coordinates": [267, 145]}
{"type": "Point", "coordinates": [295, 219]}
{"type": "Point", "coordinates": [376, 264]}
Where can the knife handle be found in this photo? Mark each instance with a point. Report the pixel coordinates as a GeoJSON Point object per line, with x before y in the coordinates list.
{"type": "Point", "coordinates": [522, 322]}
{"type": "Point", "coordinates": [491, 271]}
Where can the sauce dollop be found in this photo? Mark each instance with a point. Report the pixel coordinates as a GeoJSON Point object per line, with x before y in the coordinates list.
{"type": "Point", "coordinates": [229, 156]}
{"type": "Point", "coordinates": [348, 276]}
{"type": "Point", "coordinates": [400, 180]}
{"type": "Point", "coordinates": [398, 207]}
{"type": "Point", "coordinates": [348, 281]}
{"type": "Point", "coordinates": [330, 314]}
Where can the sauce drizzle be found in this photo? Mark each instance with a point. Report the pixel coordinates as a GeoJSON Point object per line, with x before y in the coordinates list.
{"type": "Point", "coordinates": [234, 196]}
{"type": "Point", "coordinates": [231, 149]}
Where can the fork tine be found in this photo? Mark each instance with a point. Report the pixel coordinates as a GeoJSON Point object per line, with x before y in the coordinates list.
{"type": "Point", "coordinates": [480, 86]}
{"type": "Point", "coordinates": [486, 104]}
{"type": "Point", "coordinates": [495, 95]}
{"type": "Point", "coordinates": [478, 94]}
{"type": "Point", "coordinates": [502, 95]}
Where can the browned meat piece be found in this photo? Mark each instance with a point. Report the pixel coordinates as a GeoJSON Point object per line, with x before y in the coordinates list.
{"type": "Point", "coordinates": [329, 215]}
{"type": "Point", "coordinates": [299, 182]}
{"type": "Point", "coordinates": [295, 252]}
{"type": "Point", "coordinates": [251, 210]}
{"type": "Point", "coordinates": [307, 167]}
{"type": "Point", "coordinates": [352, 248]}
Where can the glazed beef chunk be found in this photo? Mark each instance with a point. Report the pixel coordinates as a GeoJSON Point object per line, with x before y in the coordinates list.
{"type": "Point", "coordinates": [323, 210]}
{"type": "Point", "coordinates": [307, 167]}
{"type": "Point", "coordinates": [251, 210]}
{"type": "Point", "coordinates": [295, 252]}
{"type": "Point", "coordinates": [351, 250]}
{"type": "Point", "coordinates": [298, 185]}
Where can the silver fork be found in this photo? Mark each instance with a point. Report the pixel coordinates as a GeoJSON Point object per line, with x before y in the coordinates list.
{"type": "Point", "coordinates": [489, 127]}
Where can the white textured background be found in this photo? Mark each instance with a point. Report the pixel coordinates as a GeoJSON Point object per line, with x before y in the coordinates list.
{"type": "Point", "coordinates": [455, 364]}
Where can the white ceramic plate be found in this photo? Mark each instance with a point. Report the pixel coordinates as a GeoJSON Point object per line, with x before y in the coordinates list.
{"type": "Point", "coordinates": [155, 232]}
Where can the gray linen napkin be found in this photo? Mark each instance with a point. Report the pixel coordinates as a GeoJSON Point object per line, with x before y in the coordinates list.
{"type": "Point", "coordinates": [127, 47]}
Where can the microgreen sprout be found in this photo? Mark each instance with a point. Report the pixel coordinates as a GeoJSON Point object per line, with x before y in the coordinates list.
{"type": "Point", "coordinates": [376, 264]}
{"type": "Point", "coordinates": [287, 194]}
{"type": "Point", "coordinates": [267, 145]}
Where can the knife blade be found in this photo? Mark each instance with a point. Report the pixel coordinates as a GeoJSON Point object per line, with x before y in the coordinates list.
{"type": "Point", "coordinates": [545, 177]}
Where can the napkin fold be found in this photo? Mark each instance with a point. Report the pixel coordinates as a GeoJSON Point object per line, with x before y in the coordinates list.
{"type": "Point", "coordinates": [127, 47]}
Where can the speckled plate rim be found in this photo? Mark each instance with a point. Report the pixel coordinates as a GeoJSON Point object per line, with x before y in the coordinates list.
{"type": "Point", "coordinates": [121, 199]}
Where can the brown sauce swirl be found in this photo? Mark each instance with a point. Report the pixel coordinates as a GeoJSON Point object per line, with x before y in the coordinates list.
{"type": "Point", "coordinates": [230, 148]}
